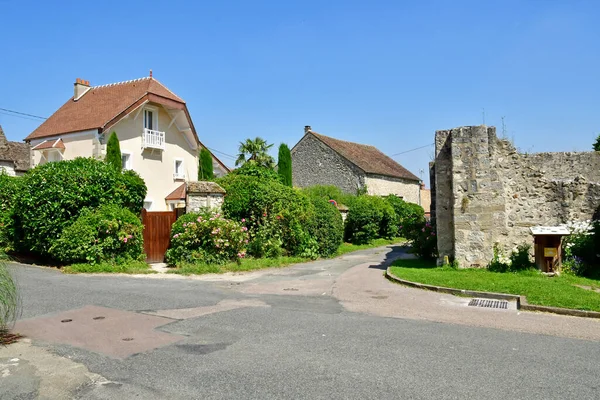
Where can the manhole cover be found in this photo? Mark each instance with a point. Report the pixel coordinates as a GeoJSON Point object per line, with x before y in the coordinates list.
{"type": "Point", "coordinates": [503, 304]}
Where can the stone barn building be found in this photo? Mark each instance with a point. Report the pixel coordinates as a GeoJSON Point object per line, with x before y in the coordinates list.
{"type": "Point", "coordinates": [485, 193]}
{"type": "Point", "coordinates": [322, 160]}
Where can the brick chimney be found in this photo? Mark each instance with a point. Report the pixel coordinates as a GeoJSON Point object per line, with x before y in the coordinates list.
{"type": "Point", "coordinates": [307, 129]}
{"type": "Point", "coordinates": [81, 87]}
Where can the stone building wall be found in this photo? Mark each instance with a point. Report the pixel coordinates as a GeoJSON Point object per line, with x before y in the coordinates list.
{"type": "Point", "coordinates": [487, 193]}
{"type": "Point", "coordinates": [383, 185]}
{"type": "Point", "coordinates": [314, 163]}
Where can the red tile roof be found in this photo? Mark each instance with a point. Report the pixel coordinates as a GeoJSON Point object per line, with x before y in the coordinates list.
{"type": "Point", "coordinates": [177, 194]}
{"type": "Point", "coordinates": [100, 105]}
{"type": "Point", "coordinates": [366, 157]}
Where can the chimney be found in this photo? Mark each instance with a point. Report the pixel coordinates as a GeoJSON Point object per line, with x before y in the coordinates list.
{"type": "Point", "coordinates": [81, 87]}
{"type": "Point", "coordinates": [307, 129]}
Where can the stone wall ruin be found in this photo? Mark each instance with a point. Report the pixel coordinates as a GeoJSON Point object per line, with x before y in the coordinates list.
{"type": "Point", "coordinates": [484, 192]}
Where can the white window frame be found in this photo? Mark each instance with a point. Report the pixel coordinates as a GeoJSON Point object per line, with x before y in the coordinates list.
{"type": "Point", "coordinates": [154, 111]}
{"type": "Point", "coordinates": [129, 165]}
{"type": "Point", "coordinates": [181, 175]}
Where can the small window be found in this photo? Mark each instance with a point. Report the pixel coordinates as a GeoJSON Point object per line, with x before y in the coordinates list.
{"type": "Point", "coordinates": [126, 160]}
{"type": "Point", "coordinates": [147, 205]}
{"type": "Point", "coordinates": [150, 119]}
{"type": "Point", "coordinates": [178, 172]}
{"type": "Point", "coordinates": [53, 156]}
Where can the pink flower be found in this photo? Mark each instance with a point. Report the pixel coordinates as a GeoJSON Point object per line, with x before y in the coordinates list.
{"type": "Point", "coordinates": [278, 217]}
{"type": "Point", "coordinates": [129, 236]}
{"type": "Point", "coordinates": [199, 219]}
{"type": "Point", "coordinates": [125, 240]}
{"type": "Point", "coordinates": [423, 230]}
{"type": "Point", "coordinates": [264, 214]}
{"type": "Point", "coordinates": [241, 254]}
{"type": "Point", "coordinates": [246, 241]}
{"type": "Point", "coordinates": [175, 235]}
{"type": "Point", "coordinates": [244, 229]}
{"type": "Point", "coordinates": [243, 219]}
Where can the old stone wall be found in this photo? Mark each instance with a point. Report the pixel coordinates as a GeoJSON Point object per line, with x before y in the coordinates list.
{"type": "Point", "coordinates": [383, 185]}
{"type": "Point", "coordinates": [487, 193]}
{"type": "Point", "coordinates": [313, 163]}
{"type": "Point", "coordinates": [198, 201]}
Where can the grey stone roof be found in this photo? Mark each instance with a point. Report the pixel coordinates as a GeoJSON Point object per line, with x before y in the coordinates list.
{"type": "Point", "coordinates": [19, 153]}
{"type": "Point", "coordinates": [204, 187]}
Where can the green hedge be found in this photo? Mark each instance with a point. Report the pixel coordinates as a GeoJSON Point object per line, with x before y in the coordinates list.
{"type": "Point", "coordinates": [273, 213]}
{"type": "Point", "coordinates": [9, 187]}
{"type": "Point", "coordinates": [327, 226]}
{"type": "Point", "coordinates": [410, 216]}
{"type": "Point", "coordinates": [369, 218]}
{"type": "Point", "coordinates": [109, 233]}
{"type": "Point", "coordinates": [53, 195]}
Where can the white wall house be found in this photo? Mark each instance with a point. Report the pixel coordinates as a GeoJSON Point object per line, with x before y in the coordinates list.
{"type": "Point", "coordinates": [156, 134]}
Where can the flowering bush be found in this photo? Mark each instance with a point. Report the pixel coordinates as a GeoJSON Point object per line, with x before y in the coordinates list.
{"type": "Point", "coordinates": [424, 240]}
{"type": "Point", "coordinates": [208, 238]}
{"type": "Point", "coordinates": [265, 235]}
{"type": "Point", "coordinates": [582, 249]}
{"type": "Point", "coordinates": [519, 259]}
{"type": "Point", "coordinates": [109, 233]}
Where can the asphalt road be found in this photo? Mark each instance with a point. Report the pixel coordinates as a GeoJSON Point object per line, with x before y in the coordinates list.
{"type": "Point", "coordinates": [284, 334]}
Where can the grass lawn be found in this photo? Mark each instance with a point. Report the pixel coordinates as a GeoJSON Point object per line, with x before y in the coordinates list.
{"type": "Point", "coordinates": [558, 291]}
{"type": "Point", "coordinates": [135, 267]}
{"type": "Point", "coordinates": [251, 264]}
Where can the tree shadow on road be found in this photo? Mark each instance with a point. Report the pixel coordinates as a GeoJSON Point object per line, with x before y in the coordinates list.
{"type": "Point", "coordinates": [395, 252]}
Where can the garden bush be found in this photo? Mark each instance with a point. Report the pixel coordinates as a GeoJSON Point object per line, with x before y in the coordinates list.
{"type": "Point", "coordinates": [327, 227]}
{"type": "Point", "coordinates": [369, 218]}
{"type": "Point", "coordinates": [206, 238]}
{"type": "Point", "coordinates": [329, 192]}
{"type": "Point", "coordinates": [109, 233]}
{"type": "Point", "coordinates": [272, 212]}
{"type": "Point", "coordinates": [582, 251]}
{"type": "Point", "coordinates": [410, 216]}
{"type": "Point", "coordinates": [9, 186]}
{"type": "Point", "coordinates": [424, 240]}
{"type": "Point", "coordinates": [52, 196]}
{"type": "Point", "coordinates": [519, 260]}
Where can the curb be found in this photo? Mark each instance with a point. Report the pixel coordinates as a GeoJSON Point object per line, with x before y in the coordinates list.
{"type": "Point", "coordinates": [522, 303]}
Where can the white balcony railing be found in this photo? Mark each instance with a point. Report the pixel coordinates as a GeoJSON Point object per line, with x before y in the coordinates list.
{"type": "Point", "coordinates": [153, 139]}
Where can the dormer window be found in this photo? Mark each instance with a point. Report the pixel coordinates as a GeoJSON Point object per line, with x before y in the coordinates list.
{"type": "Point", "coordinates": [178, 172]}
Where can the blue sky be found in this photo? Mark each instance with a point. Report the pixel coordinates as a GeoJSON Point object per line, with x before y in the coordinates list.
{"type": "Point", "coordinates": [386, 73]}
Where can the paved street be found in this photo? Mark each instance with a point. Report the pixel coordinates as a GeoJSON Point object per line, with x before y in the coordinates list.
{"type": "Point", "coordinates": [321, 330]}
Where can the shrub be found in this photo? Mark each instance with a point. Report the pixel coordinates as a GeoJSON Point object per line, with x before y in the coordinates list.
{"type": "Point", "coordinates": [329, 192]}
{"type": "Point", "coordinates": [410, 216]}
{"type": "Point", "coordinates": [519, 260]}
{"type": "Point", "coordinates": [53, 195]}
{"type": "Point", "coordinates": [284, 164]}
{"type": "Point", "coordinates": [130, 191]}
{"type": "Point", "coordinates": [206, 165]}
{"type": "Point", "coordinates": [369, 218]}
{"type": "Point", "coordinates": [259, 202]}
{"type": "Point", "coordinates": [251, 169]}
{"type": "Point", "coordinates": [207, 238]}
{"type": "Point", "coordinates": [582, 254]}
{"type": "Point", "coordinates": [113, 152]}
{"type": "Point", "coordinates": [109, 233]}
{"type": "Point", "coordinates": [327, 227]}
{"type": "Point", "coordinates": [9, 300]}
{"type": "Point", "coordinates": [9, 187]}
{"type": "Point", "coordinates": [424, 240]}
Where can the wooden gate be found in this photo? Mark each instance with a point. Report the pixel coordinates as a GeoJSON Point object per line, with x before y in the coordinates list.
{"type": "Point", "coordinates": [157, 233]}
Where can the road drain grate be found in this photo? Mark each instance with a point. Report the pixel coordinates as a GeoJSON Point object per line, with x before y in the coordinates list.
{"type": "Point", "coordinates": [503, 304]}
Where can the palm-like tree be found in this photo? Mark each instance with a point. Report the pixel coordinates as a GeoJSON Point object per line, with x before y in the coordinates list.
{"type": "Point", "coordinates": [255, 151]}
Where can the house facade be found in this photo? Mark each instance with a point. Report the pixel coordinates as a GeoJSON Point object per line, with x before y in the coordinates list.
{"type": "Point", "coordinates": [15, 157]}
{"type": "Point", "coordinates": [157, 137]}
{"type": "Point", "coordinates": [321, 160]}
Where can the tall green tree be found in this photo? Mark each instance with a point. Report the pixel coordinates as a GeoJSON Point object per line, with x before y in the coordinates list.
{"type": "Point", "coordinates": [255, 151]}
{"type": "Point", "coordinates": [205, 171]}
{"type": "Point", "coordinates": [113, 152]}
{"type": "Point", "coordinates": [597, 144]}
{"type": "Point", "coordinates": [284, 164]}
